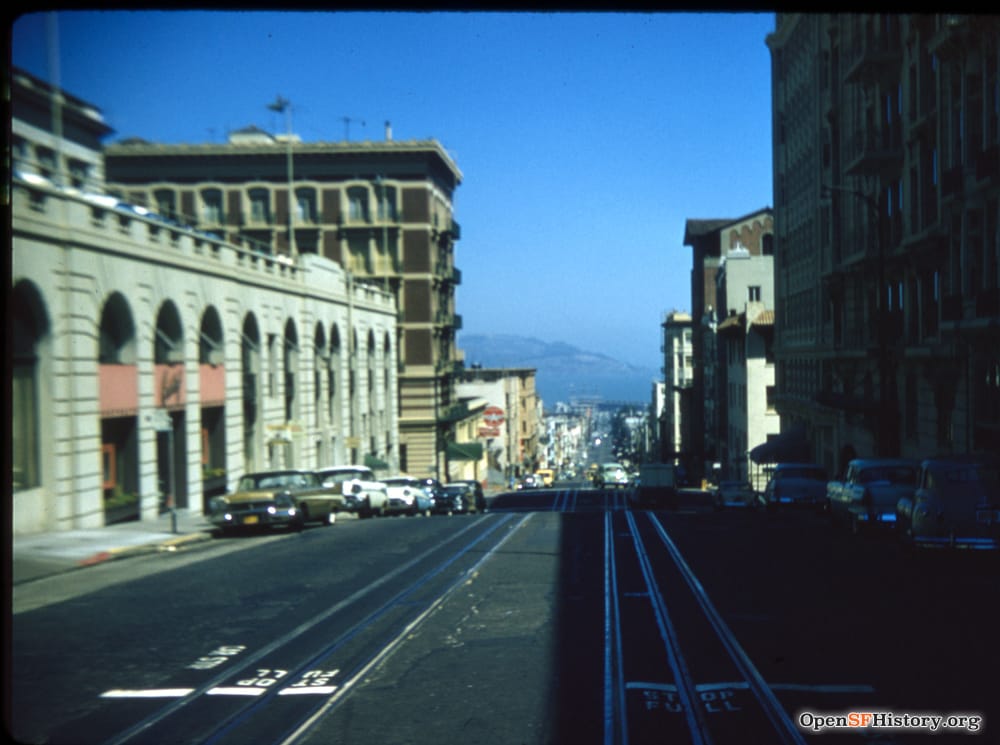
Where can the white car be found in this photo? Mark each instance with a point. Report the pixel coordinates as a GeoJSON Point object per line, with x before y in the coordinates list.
{"type": "Point", "coordinates": [611, 474]}
{"type": "Point", "coordinates": [362, 492]}
{"type": "Point", "coordinates": [407, 495]}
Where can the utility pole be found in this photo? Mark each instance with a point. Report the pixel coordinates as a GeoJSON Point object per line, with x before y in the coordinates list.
{"type": "Point", "coordinates": [284, 105]}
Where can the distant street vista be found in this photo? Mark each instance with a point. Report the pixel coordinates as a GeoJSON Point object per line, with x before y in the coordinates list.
{"type": "Point", "coordinates": [564, 371]}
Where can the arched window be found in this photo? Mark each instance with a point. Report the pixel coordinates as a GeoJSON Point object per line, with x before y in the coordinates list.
{"type": "Point", "coordinates": [250, 361]}
{"type": "Point", "coordinates": [291, 366]}
{"type": "Point", "coordinates": [119, 402]}
{"type": "Point", "coordinates": [168, 357]}
{"type": "Point", "coordinates": [320, 354]}
{"type": "Point", "coordinates": [29, 326]}
{"type": "Point", "coordinates": [117, 345]}
{"type": "Point", "coordinates": [333, 376]}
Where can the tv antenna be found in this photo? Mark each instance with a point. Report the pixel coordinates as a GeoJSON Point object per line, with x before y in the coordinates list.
{"type": "Point", "coordinates": [347, 125]}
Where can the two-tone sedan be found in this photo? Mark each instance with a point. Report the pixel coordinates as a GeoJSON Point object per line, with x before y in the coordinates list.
{"type": "Point", "coordinates": [275, 499]}
{"type": "Point", "coordinates": [956, 504]}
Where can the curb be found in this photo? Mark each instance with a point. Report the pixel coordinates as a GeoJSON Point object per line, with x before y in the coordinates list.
{"type": "Point", "coordinates": [171, 544]}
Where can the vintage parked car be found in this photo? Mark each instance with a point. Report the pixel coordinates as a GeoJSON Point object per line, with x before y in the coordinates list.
{"type": "Point", "coordinates": [457, 498]}
{"type": "Point", "coordinates": [956, 504]}
{"type": "Point", "coordinates": [275, 499]}
{"type": "Point", "coordinates": [475, 499]}
{"type": "Point", "coordinates": [794, 485]}
{"type": "Point", "coordinates": [362, 492]}
{"type": "Point", "coordinates": [867, 496]}
{"type": "Point", "coordinates": [733, 494]}
{"type": "Point", "coordinates": [407, 496]}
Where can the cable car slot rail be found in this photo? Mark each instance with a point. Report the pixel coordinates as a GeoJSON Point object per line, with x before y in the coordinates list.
{"type": "Point", "coordinates": [668, 691]}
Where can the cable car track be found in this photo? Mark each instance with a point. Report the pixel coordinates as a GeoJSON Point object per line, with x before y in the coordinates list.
{"type": "Point", "coordinates": [227, 706]}
{"type": "Point", "coordinates": [673, 691]}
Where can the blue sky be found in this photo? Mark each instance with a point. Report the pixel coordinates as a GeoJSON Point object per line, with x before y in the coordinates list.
{"type": "Point", "coordinates": [585, 139]}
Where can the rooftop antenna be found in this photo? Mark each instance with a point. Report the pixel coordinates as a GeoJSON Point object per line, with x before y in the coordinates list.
{"type": "Point", "coordinates": [347, 125]}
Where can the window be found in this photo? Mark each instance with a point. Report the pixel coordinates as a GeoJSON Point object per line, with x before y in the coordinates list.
{"type": "Point", "coordinates": [79, 172]}
{"type": "Point", "coordinates": [46, 158]}
{"type": "Point", "coordinates": [212, 206]}
{"type": "Point", "coordinates": [753, 293]}
{"type": "Point", "coordinates": [24, 429]}
{"type": "Point", "coordinates": [305, 201]}
{"type": "Point", "coordinates": [387, 203]}
{"type": "Point", "coordinates": [166, 203]}
{"type": "Point", "coordinates": [357, 204]}
{"type": "Point", "coordinates": [260, 206]}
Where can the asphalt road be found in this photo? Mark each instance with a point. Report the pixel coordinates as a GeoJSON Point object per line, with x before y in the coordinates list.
{"type": "Point", "coordinates": [558, 617]}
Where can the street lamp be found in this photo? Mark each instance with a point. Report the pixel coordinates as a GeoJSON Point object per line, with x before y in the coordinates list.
{"type": "Point", "coordinates": [886, 444]}
{"type": "Point", "coordinates": [284, 105]}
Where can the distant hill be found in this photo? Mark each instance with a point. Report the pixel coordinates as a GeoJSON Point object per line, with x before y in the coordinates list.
{"type": "Point", "coordinates": [564, 371]}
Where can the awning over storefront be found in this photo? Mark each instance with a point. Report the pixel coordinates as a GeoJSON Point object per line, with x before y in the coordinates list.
{"type": "Point", "coordinates": [788, 447]}
{"type": "Point", "coordinates": [375, 463]}
{"type": "Point", "coordinates": [465, 450]}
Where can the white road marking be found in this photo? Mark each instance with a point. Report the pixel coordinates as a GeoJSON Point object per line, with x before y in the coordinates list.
{"type": "Point", "coordinates": [236, 691]}
{"type": "Point", "coordinates": [148, 693]}
{"type": "Point", "coordinates": [306, 690]}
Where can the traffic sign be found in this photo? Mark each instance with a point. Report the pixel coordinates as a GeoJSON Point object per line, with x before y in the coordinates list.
{"type": "Point", "coordinates": [493, 416]}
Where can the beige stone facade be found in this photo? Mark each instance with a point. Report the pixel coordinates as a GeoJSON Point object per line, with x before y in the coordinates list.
{"type": "Point", "coordinates": [513, 444]}
{"type": "Point", "coordinates": [121, 320]}
{"type": "Point", "coordinates": [152, 364]}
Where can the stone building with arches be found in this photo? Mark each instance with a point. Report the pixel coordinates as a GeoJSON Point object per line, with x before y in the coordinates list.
{"type": "Point", "coordinates": [152, 364]}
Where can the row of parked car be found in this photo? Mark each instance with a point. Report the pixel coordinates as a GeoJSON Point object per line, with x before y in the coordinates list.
{"type": "Point", "coordinates": [291, 498]}
{"type": "Point", "coordinates": [949, 501]}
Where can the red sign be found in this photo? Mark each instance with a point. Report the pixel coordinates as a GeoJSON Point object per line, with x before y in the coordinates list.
{"type": "Point", "coordinates": [493, 416]}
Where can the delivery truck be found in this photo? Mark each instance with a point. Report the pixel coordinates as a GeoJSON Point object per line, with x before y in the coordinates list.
{"type": "Point", "coordinates": [657, 486]}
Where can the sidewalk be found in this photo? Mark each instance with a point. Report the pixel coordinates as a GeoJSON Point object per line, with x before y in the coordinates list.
{"type": "Point", "coordinates": [43, 554]}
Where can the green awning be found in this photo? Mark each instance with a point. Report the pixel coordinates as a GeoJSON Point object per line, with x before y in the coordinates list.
{"type": "Point", "coordinates": [465, 450]}
{"type": "Point", "coordinates": [375, 463]}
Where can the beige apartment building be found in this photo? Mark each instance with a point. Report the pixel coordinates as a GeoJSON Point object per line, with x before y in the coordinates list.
{"type": "Point", "coordinates": [711, 240]}
{"type": "Point", "coordinates": [887, 232]}
{"type": "Point", "coordinates": [512, 425]}
{"type": "Point", "coordinates": [381, 210]}
{"type": "Point", "coordinates": [678, 375]}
